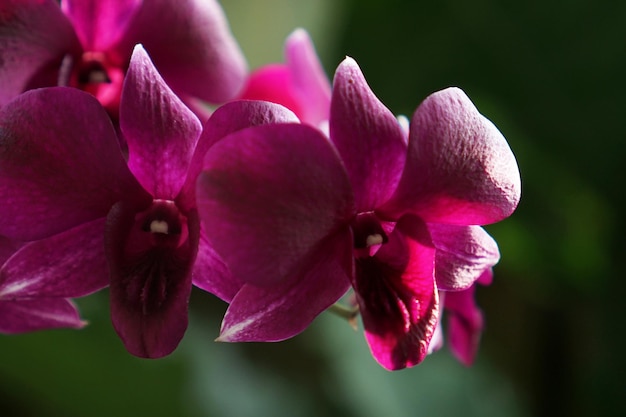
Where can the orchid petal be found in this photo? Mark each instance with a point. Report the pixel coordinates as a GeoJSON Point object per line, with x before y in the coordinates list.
{"type": "Point", "coordinates": [69, 264]}
{"type": "Point", "coordinates": [211, 274]}
{"type": "Point", "coordinates": [398, 296]}
{"type": "Point", "coordinates": [60, 163]}
{"type": "Point", "coordinates": [192, 47]}
{"type": "Point", "coordinates": [268, 195]}
{"type": "Point", "coordinates": [150, 284]}
{"type": "Point", "coordinates": [465, 324]}
{"type": "Point", "coordinates": [282, 311]}
{"type": "Point", "coordinates": [460, 169]}
{"type": "Point", "coordinates": [7, 248]}
{"type": "Point", "coordinates": [22, 316]}
{"type": "Point", "coordinates": [463, 254]}
{"type": "Point", "coordinates": [35, 36]}
{"type": "Point", "coordinates": [368, 137]}
{"type": "Point", "coordinates": [229, 118]}
{"type": "Point", "coordinates": [160, 130]}
{"type": "Point", "coordinates": [310, 83]}
{"type": "Point", "coordinates": [100, 23]}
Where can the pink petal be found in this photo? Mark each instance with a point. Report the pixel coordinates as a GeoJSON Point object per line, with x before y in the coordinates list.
{"type": "Point", "coordinates": [368, 137]}
{"type": "Point", "coordinates": [229, 118]}
{"type": "Point", "coordinates": [7, 248]}
{"type": "Point", "coordinates": [60, 163]}
{"type": "Point", "coordinates": [100, 23]}
{"type": "Point", "coordinates": [460, 169]}
{"type": "Point", "coordinates": [22, 316]}
{"type": "Point", "coordinates": [160, 130]}
{"type": "Point", "coordinates": [150, 283]}
{"type": "Point", "coordinates": [398, 296]}
{"type": "Point", "coordinates": [211, 274]}
{"type": "Point", "coordinates": [463, 255]}
{"type": "Point", "coordinates": [465, 324]}
{"type": "Point", "coordinates": [69, 264]}
{"type": "Point", "coordinates": [34, 38]}
{"type": "Point", "coordinates": [192, 46]}
{"type": "Point", "coordinates": [279, 312]}
{"type": "Point", "coordinates": [268, 195]}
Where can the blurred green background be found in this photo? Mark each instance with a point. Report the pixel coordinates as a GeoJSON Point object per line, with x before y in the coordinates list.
{"type": "Point", "coordinates": [549, 75]}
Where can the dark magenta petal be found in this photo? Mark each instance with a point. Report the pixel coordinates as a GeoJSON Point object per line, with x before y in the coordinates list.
{"type": "Point", "coordinates": [398, 297]}
{"type": "Point", "coordinates": [100, 23]}
{"type": "Point", "coordinates": [279, 312]}
{"type": "Point", "coordinates": [463, 254]}
{"type": "Point", "coordinates": [35, 36]}
{"type": "Point", "coordinates": [211, 274]}
{"type": "Point", "coordinates": [7, 248]}
{"type": "Point", "coordinates": [69, 264]}
{"type": "Point", "coordinates": [368, 137]}
{"type": "Point", "coordinates": [465, 324]}
{"type": "Point", "coordinates": [460, 169]}
{"type": "Point", "coordinates": [229, 118]}
{"type": "Point", "coordinates": [161, 132]}
{"type": "Point", "coordinates": [191, 44]}
{"type": "Point", "coordinates": [22, 316]}
{"type": "Point", "coordinates": [268, 195]}
{"type": "Point", "coordinates": [60, 163]}
{"type": "Point", "coordinates": [150, 280]}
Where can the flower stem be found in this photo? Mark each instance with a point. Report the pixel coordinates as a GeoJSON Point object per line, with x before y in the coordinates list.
{"type": "Point", "coordinates": [348, 313]}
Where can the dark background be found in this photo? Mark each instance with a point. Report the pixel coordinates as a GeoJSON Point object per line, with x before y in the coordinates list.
{"type": "Point", "coordinates": [549, 75]}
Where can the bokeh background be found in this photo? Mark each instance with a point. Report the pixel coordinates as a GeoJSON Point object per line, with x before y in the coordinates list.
{"type": "Point", "coordinates": [549, 74]}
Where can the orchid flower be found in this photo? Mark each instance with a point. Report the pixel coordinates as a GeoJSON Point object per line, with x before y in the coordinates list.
{"type": "Point", "coordinates": [22, 310]}
{"type": "Point", "coordinates": [92, 218]}
{"type": "Point", "coordinates": [88, 44]}
{"type": "Point", "coordinates": [299, 218]}
{"type": "Point", "coordinates": [299, 84]}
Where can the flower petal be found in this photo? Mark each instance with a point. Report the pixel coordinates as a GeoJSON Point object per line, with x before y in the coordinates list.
{"type": "Point", "coordinates": [69, 264]}
{"type": "Point", "coordinates": [38, 314]}
{"type": "Point", "coordinates": [465, 324]}
{"type": "Point", "coordinates": [460, 169]}
{"type": "Point", "coordinates": [160, 130]}
{"type": "Point", "coordinates": [398, 296]}
{"type": "Point", "coordinates": [192, 47]}
{"type": "Point", "coordinates": [211, 274]}
{"type": "Point", "coordinates": [463, 254]}
{"type": "Point", "coordinates": [277, 313]}
{"type": "Point", "coordinates": [60, 163]}
{"type": "Point", "coordinates": [7, 248]}
{"type": "Point", "coordinates": [34, 38]}
{"type": "Point", "coordinates": [268, 195]}
{"type": "Point", "coordinates": [150, 284]}
{"type": "Point", "coordinates": [368, 137]}
{"type": "Point", "coordinates": [229, 118]}
{"type": "Point", "coordinates": [100, 23]}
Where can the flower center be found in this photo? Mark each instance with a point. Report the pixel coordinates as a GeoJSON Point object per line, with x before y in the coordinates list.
{"type": "Point", "coordinates": [368, 233]}
{"type": "Point", "coordinates": [165, 223]}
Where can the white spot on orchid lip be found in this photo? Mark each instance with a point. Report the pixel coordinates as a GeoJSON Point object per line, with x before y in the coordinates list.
{"type": "Point", "coordinates": [159, 226]}
{"type": "Point", "coordinates": [375, 239]}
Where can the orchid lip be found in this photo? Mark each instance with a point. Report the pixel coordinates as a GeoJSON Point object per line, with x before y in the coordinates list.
{"type": "Point", "coordinates": [166, 224]}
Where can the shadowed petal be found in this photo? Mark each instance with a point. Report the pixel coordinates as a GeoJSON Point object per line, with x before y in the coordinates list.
{"type": "Point", "coordinates": [268, 195]}
{"type": "Point", "coordinates": [465, 324]}
{"type": "Point", "coordinates": [192, 47]}
{"type": "Point", "coordinates": [60, 163]}
{"type": "Point", "coordinates": [7, 248]}
{"type": "Point", "coordinates": [398, 296]}
{"type": "Point", "coordinates": [38, 314]}
{"type": "Point", "coordinates": [69, 264]}
{"type": "Point", "coordinates": [282, 311]}
{"type": "Point", "coordinates": [368, 137]}
{"type": "Point", "coordinates": [211, 274]}
{"type": "Point", "coordinates": [161, 132]}
{"type": "Point", "coordinates": [460, 169]}
{"type": "Point", "coordinates": [100, 23]}
{"type": "Point", "coordinates": [463, 255]}
{"type": "Point", "coordinates": [34, 38]}
{"type": "Point", "coordinates": [150, 282]}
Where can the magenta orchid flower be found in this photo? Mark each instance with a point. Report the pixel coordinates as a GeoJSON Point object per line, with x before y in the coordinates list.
{"type": "Point", "coordinates": [299, 218]}
{"type": "Point", "coordinates": [23, 310]}
{"type": "Point", "coordinates": [299, 84]}
{"type": "Point", "coordinates": [88, 44]}
{"type": "Point", "coordinates": [93, 218]}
